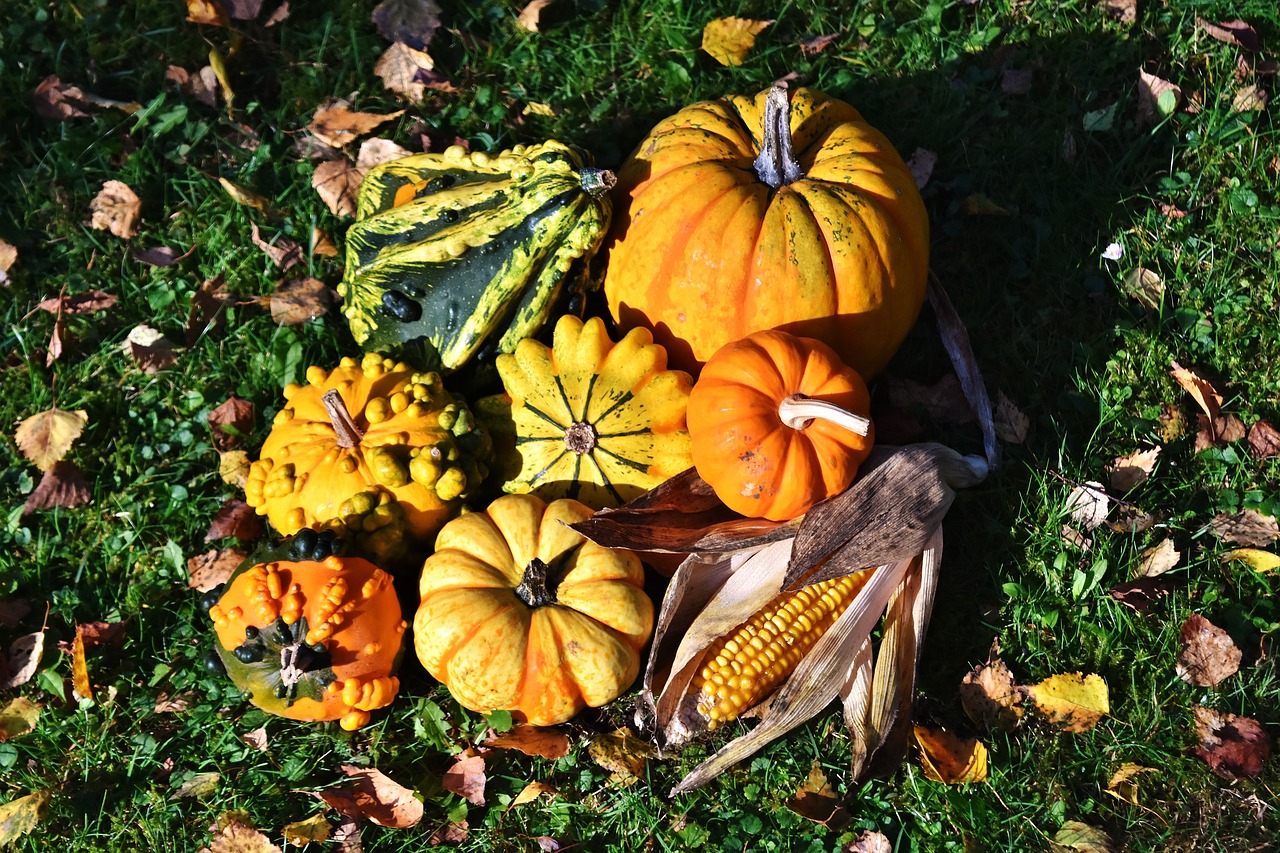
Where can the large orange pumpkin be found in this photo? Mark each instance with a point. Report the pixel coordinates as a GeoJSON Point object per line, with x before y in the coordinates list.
{"type": "Point", "coordinates": [745, 214]}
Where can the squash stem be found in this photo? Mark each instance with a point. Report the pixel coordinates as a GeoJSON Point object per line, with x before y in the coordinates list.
{"type": "Point", "coordinates": [777, 165]}
{"type": "Point", "coordinates": [597, 182]}
{"type": "Point", "coordinates": [535, 588]}
{"type": "Point", "coordinates": [798, 411]}
{"type": "Point", "coordinates": [344, 426]}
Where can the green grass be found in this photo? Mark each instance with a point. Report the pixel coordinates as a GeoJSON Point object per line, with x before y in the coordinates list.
{"type": "Point", "coordinates": [1050, 322]}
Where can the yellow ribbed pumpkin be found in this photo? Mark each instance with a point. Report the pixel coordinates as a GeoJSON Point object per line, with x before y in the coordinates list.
{"type": "Point", "coordinates": [772, 212]}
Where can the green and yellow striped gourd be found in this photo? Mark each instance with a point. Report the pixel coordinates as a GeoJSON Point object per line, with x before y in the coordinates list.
{"type": "Point", "coordinates": [456, 249]}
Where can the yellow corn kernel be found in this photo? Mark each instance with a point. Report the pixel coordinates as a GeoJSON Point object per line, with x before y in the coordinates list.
{"type": "Point", "coordinates": [745, 666]}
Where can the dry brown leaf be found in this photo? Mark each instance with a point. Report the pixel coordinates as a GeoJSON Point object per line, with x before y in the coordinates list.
{"type": "Point", "coordinates": [1224, 430]}
{"type": "Point", "coordinates": [258, 740]}
{"type": "Point", "coordinates": [58, 101]}
{"type": "Point", "coordinates": [949, 758]}
{"type": "Point", "coordinates": [450, 833]}
{"type": "Point", "coordinates": [284, 252]}
{"type": "Point", "coordinates": [198, 786]}
{"type": "Point", "coordinates": [300, 300]}
{"type": "Point", "coordinates": [207, 570]}
{"type": "Point", "coordinates": [236, 518]}
{"type": "Point", "coordinates": [24, 659]}
{"type": "Point", "coordinates": [622, 754]}
{"type": "Point", "coordinates": [150, 349]}
{"type": "Point", "coordinates": [1073, 702]}
{"type": "Point", "coordinates": [1124, 11]}
{"type": "Point", "coordinates": [21, 815]}
{"type": "Point", "coordinates": [338, 182]}
{"type": "Point", "coordinates": [1208, 655]}
{"type": "Point", "coordinates": [991, 698]}
{"type": "Point", "coordinates": [231, 422]}
{"type": "Point", "coordinates": [18, 718]}
{"type": "Point", "coordinates": [243, 10]}
{"type": "Point", "coordinates": [1140, 594]}
{"type": "Point", "coordinates": [1157, 560]}
{"type": "Point", "coordinates": [1077, 837]}
{"type": "Point", "coordinates": [1010, 421]}
{"type": "Point", "coordinates": [466, 778]}
{"type": "Point", "coordinates": [1173, 424]}
{"type": "Point", "coordinates": [1234, 747]}
{"type": "Point", "coordinates": [531, 792]}
{"type": "Point", "coordinates": [337, 126]}
{"type": "Point", "coordinates": [1200, 389]}
{"type": "Point", "coordinates": [376, 151]}
{"type": "Point", "coordinates": [233, 835]}
{"type": "Point", "coordinates": [1123, 784]}
{"type": "Point", "coordinates": [413, 22]}
{"type": "Point", "coordinates": [402, 68]}
{"type": "Point", "coordinates": [280, 15]}
{"type": "Point", "coordinates": [63, 485]}
{"type": "Point", "coordinates": [869, 841]}
{"type": "Point", "coordinates": [371, 794]}
{"type": "Point", "coordinates": [1247, 527]}
{"type": "Point", "coordinates": [1130, 471]}
{"type": "Point", "coordinates": [80, 684]}
{"type": "Point", "coordinates": [208, 309]}
{"type": "Point", "coordinates": [1088, 504]}
{"type": "Point", "coordinates": [1145, 286]}
{"type": "Point", "coordinates": [209, 12]}
{"type": "Point", "coordinates": [79, 303]}
{"type": "Point", "coordinates": [1232, 32]}
{"type": "Point", "coordinates": [322, 245]}
{"type": "Point", "coordinates": [921, 165]}
{"type": "Point", "coordinates": [531, 14]}
{"type": "Point", "coordinates": [1264, 440]}
{"type": "Point", "coordinates": [1250, 99]}
{"type": "Point", "coordinates": [1150, 90]}
{"type": "Point", "coordinates": [116, 208]}
{"type": "Point", "coordinates": [233, 467]}
{"type": "Point", "coordinates": [45, 438]}
{"type": "Point", "coordinates": [532, 740]}
{"type": "Point", "coordinates": [160, 256]}
{"type": "Point", "coordinates": [166, 704]}
{"type": "Point", "coordinates": [943, 402]}
{"type": "Point", "coordinates": [303, 832]}
{"type": "Point", "coordinates": [817, 801]}
{"type": "Point", "coordinates": [729, 40]}
{"type": "Point", "coordinates": [8, 256]}
{"type": "Point", "coordinates": [817, 44]}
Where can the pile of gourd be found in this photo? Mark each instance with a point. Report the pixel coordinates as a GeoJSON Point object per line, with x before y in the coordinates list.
{"type": "Point", "coordinates": [760, 255]}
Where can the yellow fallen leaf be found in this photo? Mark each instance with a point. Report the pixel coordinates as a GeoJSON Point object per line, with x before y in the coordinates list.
{"type": "Point", "coordinates": [302, 832]}
{"type": "Point", "coordinates": [244, 196]}
{"type": "Point", "coordinates": [531, 792]}
{"type": "Point", "coordinates": [536, 109]}
{"type": "Point", "coordinates": [1124, 784]}
{"type": "Point", "coordinates": [20, 816]}
{"type": "Point", "coordinates": [46, 437]}
{"type": "Point", "coordinates": [1077, 837]}
{"type": "Point", "coordinates": [18, 718]}
{"type": "Point", "coordinates": [531, 15]}
{"type": "Point", "coordinates": [623, 754]}
{"type": "Point", "coordinates": [219, 67]}
{"type": "Point", "coordinates": [1255, 558]}
{"type": "Point", "coordinates": [233, 468]}
{"type": "Point", "coordinates": [206, 12]}
{"type": "Point", "coordinates": [1073, 702]}
{"type": "Point", "coordinates": [951, 759]}
{"type": "Point", "coordinates": [80, 667]}
{"type": "Point", "coordinates": [729, 40]}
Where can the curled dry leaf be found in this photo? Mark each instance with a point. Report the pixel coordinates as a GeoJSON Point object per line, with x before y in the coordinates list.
{"type": "Point", "coordinates": [531, 792]}
{"type": "Point", "coordinates": [371, 794]}
{"type": "Point", "coordinates": [116, 208]}
{"type": "Point", "coordinates": [1264, 440]}
{"type": "Point", "coordinates": [466, 778]}
{"type": "Point", "coordinates": [1124, 11]}
{"type": "Point", "coordinates": [258, 740]}
{"type": "Point", "coordinates": [1247, 527]}
{"type": "Point", "coordinates": [321, 244]}
{"type": "Point", "coordinates": [300, 300]}
{"type": "Point", "coordinates": [869, 841]}
{"type": "Point", "coordinates": [1130, 471]}
{"type": "Point", "coordinates": [78, 303]}
{"type": "Point", "coordinates": [208, 12]}
{"type": "Point", "coordinates": [233, 835]}
{"type": "Point", "coordinates": [159, 256]}
{"type": "Point", "coordinates": [337, 126]}
{"type": "Point", "coordinates": [1200, 389]}
{"type": "Point", "coordinates": [233, 467]}
{"type": "Point", "coordinates": [1234, 747]}
{"type": "Point", "coordinates": [208, 309]}
{"type": "Point", "coordinates": [1157, 560]}
{"type": "Point", "coordinates": [532, 740]}
{"type": "Point", "coordinates": [46, 437]}
{"type": "Point", "coordinates": [1140, 594]}
{"type": "Point", "coordinates": [729, 40]}
{"type": "Point", "coordinates": [1123, 784]}
{"type": "Point", "coordinates": [283, 251]}
{"type": "Point", "coordinates": [150, 349]}
{"type": "Point", "coordinates": [530, 16]}
{"type": "Point", "coordinates": [63, 485]}
{"type": "Point", "coordinates": [24, 659]}
{"type": "Point", "coordinates": [1221, 431]}
{"type": "Point", "coordinates": [207, 570]}
{"type": "Point", "coordinates": [8, 257]}
{"type": "Point", "coordinates": [81, 686]}
{"type": "Point", "coordinates": [1073, 702]}
{"type": "Point", "coordinates": [338, 182]}
{"type": "Point", "coordinates": [1157, 98]}
{"type": "Point", "coordinates": [817, 44]}
{"type": "Point", "coordinates": [376, 151]}
{"type": "Point", "coordinates": [402, 69]}
{"type": "Point", "coordinates": [166, 704]}
{"type": "Point", "coordinates": [1144, 286]}
{"type": "Point", "coordinates": [1232, 32]}
{"type": "Point", "coordinates": [1077, 837]}
{"type": "Point", "coordinates": [18, 718]}
{"type": "Point", "coordinates": [948, 758]}
{"type": "Point", "coordinates": [991, 698]}
{"type": "Point", "coordinates": [1208, 655]}
{"type": "Point", "coordinates": [245, 197]}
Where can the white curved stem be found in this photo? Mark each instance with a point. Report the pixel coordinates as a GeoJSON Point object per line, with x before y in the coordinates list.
{"type": "Point", "coordinates": [798, 411]}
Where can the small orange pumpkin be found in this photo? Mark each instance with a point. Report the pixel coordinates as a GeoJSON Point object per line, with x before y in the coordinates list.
{"type": "Point", "coordinates": [777, 423]}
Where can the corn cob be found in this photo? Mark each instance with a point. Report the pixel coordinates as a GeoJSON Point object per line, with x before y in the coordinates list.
{"type": "Point", "coordinates": [744, 667]}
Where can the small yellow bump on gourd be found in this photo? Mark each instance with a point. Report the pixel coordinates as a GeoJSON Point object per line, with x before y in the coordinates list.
{"type": "Point", "coordinates": [348, 465]}
{"type": "Point", "coordinates": [319, 634]}
{"type": "Point", "coordinates": [377, 410]}
{"type": "Point", "coordinates": [416, 410]}
{"type": "Point", "coordinates": [347, 362]}
{"type": "Point", "coordinates": [333, 687]}
{"type": "Point", "coordinates": [337, 590]}
{"type": "Point", "coordinates": [452, 484]}
{"type": "Point", "coordinates": [291, 605]}
{"type": "Point", "coordinates": [399, 401]}
{"type": "Point", "coordinates": [234, 613]}
{"type": "Point", "coordinates": [455, 152]}
{"type": "Point", "coordinates": [332, 562]}
{"type": "Point", "coordinates": [316, 375]}
{"type": "Point", "coordinates": [268, 611]}
{"type": "Point", "coordinates": [403, 626]}
{"type": "Point", "coordinates": [282, 416]}
{"type": "Point", "coordinates": [372, 585]}
{"type": "Point", "coordinates": [480, 158]}
{"type": "Point", "coordinates": [371, 648]}
{"type": "Point", "coordinates": [420, 391]}
{"type": "Point", "coordinates": [378, 519]}
{"type": "Point", "coordinates": [448, 416]}
{"type": "Point", "coordinates": [424, 470]}
{"type": "Point", "coordinates": [290, 390]}
{"type": "Point", "coordinates": [297, 518]}
{"type": "Point", "coordinates": [456, 248]}
{"type": "Point", "coordinates": [218, 615]}
{"type": "Point", "coordinates": [353, 720]}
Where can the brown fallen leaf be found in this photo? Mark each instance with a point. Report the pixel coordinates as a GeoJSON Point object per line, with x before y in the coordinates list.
{"type": "Point", "coordinates": [466, 778]}
{"type": "Point", "coordinates": [1208, 654]}
{"type": "Point", "coordinates": [943, 402]}
{"type": "Point", "coordinates": [233, 467]}
{"type": "Point", "coordinates": [231, 422]}
{"type": "Point", "coordinates": [1150, 91]}
{"type": "Point", "coordinates": [236, 518]}
{"type": "Point", "coordinates": [244, 196]}
{"type": "Point", "coordinates": [1201, 389]}
{"type": "Point", "coordinates": [78, 303]}
{"type": "Point", "coordinates": [1073, 702]}
{"type": "Point", "coordinates": [1157, 559]}
{"type": "Point", "coordinates": [413, 22]}
{"type": "Point", "coordinates": [300, 300]}
{"type": "Point", "coordinates": [45, 438]}
{"type": "Point", "coordinates": [280, 15]}
{"type": "Point", "coordinates": [336, 125]}
{"type": "Point", "coordinates": [1234, 747]}
{"type": "Point", "coordinates": [1011, 422]}
{"type": "Point", "coordinates": [208, 312]}
{"type": "Point", "coordinates": [116, 208]}
{"type": "Point", "coordinates": [1247, 527]}
{"type": "Point", "coordinates": [207, 570]}
{"type": "Point", "coordinates": [1077, 837]}
{"type": "Point", "coordinates": [1264, 440]}
{"type": "Point", "coordinates": [402, 69]}
{"type": "Point", "coordinates": [8, 257]}
{"type": "Point", "coordinates": [450, 833]}
{"type": "Point", "coordinates": [948, 758]}
{"type": "Point", "coordinates": [376, 151]}
{"type": "Point", "coordinates": [1088, 504]}
{"type": "Point", "coordinates": [729, 40]}
{"type": "Point", "coordinates": [817, 44]}
{"type": "Point", "coordinates": [81, 686]}
{"type": "Point", "coordinates": [921, 164]}
{"type": "Point", "coordinates": [160, 256]}
{"type": "Point", "coordinates": [1250, 99]}
{"type": "Point", "coordinates": [21, 815]}
{"type": "Point", "coordinates": [207, 12]}
{"type": "Point", "coordinates": [1124, 11]}
{"type": "Point", "coordinates": [531, 14]}
{"type": "Point", "coordinates": [300, 833]}
{"type": "Point", "coordinates": [338, 182]}
{"type": "Point", "coordinates": [321, 244]}
{"type": "Point", "coordinates": [24, 659]}
{"type": "Point", "coordinates": [258, 740]}
{"type": "Point", "coordinates": [370, 793]}
{"type": "Point", "coordinates": [1140, 594]}
{"type": "Point", "coordinates": [58, 101]}
{"type": "Point", "coordinates": [63, 485]}
{"type": "Point", "coordinates": [991, 698]}
{"type": "Point", "coordinates": [1221, 431]}
{"type": "Point", "coordinates": [817, 801]}
{"type": "Point", "coordinates": [166, 704]}
{"type": "Point", "coordinates": [347, 837]}
{"type": "Point", "coordinates": [622, 754]}
{"type": "Point", "coordinates": [233, 835]}
{"type": "Point", "coordinates": [243, 10]}
{"type": "Point", "coordinates": [532, 740]}
{"type": "Point", "coordinates": [1235, 32]}
{"type": "Point", "coordinates": [869, 841]}
{"type": "Point", "coordinates": [18, 718]}
{"type": "Point", "coordinates": [283, 251]}
{"type": "Point", "coordinates": [1132, 470]}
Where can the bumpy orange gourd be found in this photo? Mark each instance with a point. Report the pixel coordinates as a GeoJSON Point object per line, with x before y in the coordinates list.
{"type": "Point", "coordinates": [745, 214]}
{"type": "Point", "coordinates": [373, 449]}
{"type": "Point", "coordinates": [777, 423]}
{"type": "Point", "coordinates": [521, 613]}
{"type": "Point", "coordinates": [312, 640]}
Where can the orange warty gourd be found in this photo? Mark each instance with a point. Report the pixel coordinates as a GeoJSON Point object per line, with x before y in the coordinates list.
{"type": "Point", "coordinates": [777, 423]}
{"type": "Point", "coordinates": [520, 613]}
{"type": "Point", "coordinates": [745, 214]}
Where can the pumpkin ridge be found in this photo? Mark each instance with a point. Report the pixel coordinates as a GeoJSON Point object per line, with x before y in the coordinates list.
{"type": "Point", "coordinates": [858, 224]}
{"type": "Point", "coordinates": [602, 477]}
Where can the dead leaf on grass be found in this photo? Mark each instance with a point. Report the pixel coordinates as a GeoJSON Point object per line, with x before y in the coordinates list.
{"type": "Point", "coordinates": [817, 44]}
{"type": "Point", "coordinates": [530, 16]}
{"type": "Point", "coordinates": [166, 704]}
{"type": "Point", "coordinates": [1208, 655]}
{"type": "Point", "coordinates": [8, 257]}
{"type": "Point", "coordinates": [283, 251]}
{"type": "Point", "coordinates": [817, 801]}
{"type": "Point", "coordinates": [24, 659]}
{"type": "Point", "coordinates": [1132, 470]}
{"type": "Point", "coordinates": [402, 69]}
{"type": "Point", "coordinates": [244, 196]}
{"type": "Point", "coordinates": [991, 698]}
{"type": "Point", "coordinates": [1223, 430]}
{"type": "Point", "coordinates": [869, 841]}
{"type": "Point", "coordinates": [151, 350]}
{"type": "Point", "coordinates": [321, 244]}
{"type": "Point", "coordinates": [236, 518]}
{"type": "Point", "coordinates": [729, 40]}
{"type": "Point", "coordinates": [921, 165]}
{"type": "Point", "coordinates": [1011, 423]}
{"type": "Point", "coordinates": [208, 309]}
{"type": "Point", "coordinates": [1140, 594]}
{"type": "Point", "coordinates": [81, 687]}
{"type": "Point", "coordinates": [1264, 440]}
{"type": "Point", "coordinates": [532, 740]}
{"type": "Point", "coordinates": [413, 22]}
{"type": "Point", "coordinates": [1246, 527]}
{"type": "Point", "coordinates": [1123, 784]}
{"type": "Point", "coordinates": [234, 835]}
{"type": "Point", "coordinates": [300, 300]}
{"type": "Point", "coordinates": [338, 182]}
{"type": "Point", "coordinates": [58, 101]}
{"type": "Point", "coordinates": [18, 718]}
{"type": "Point", "coordinates": [376, 151]}
{"type": "Point", "coordinates": [1201, 389]}
{"type": "Point", "coordinates": [1073, 702]}
{"type": "Point", "coordinates": [1234, 747]}
{"type": "Point", "coordinates": [45, 438]}
{"type": "Point", "coordinates": [948, 758]}
{"type": "Point", "coordinates": [466, 778]}
{"type": "Point", "coordinates": [116, 208]}
{"type": "Point", "coordinates": [1124, 11]}
{"type": "Point", "coordinates": [1235, 32]}
{"type": "Point", "coordinates": [160, 256]}
{"type": "Point", "coordinates": [1249, 99]}
{"type": "Point", "coordinates": [314, 829]}
{"type": "Point", "coordinates": [231, 422]}
{"type": "Point", "coordinates": [207, 570]}
{"type": "Point", "coordinates": [1088, 504]}
{"type": "Point", "coordinates": [1077, 837]}
{"type": "Point", "coordinates": [21, 815]}
{"type": "Point", "coordinates": [531, 792]}
{"type": "Point", "coordinates": [198, 786]}
{"type": "Point", "coordinates": [1260, 561]}
{"type": "Point", "coordinates": [622, 754]}
{"type": "Point", "coordinates": [207, 12]}
{"type": "Point", "coordinates": [78, 303]}
{"type": "Point", "coordinates": [63, 485]}
{"type": "Point", "coordinates": [1144, 286]}
{"type": "Point", "coordinates": [1157, 559]}
{"type": "Point", "coordinates": [258, 740]}
{"type": "Point", "coordinates": [338, 126]}
{"type": "Point", "coordinates": [1157, 98]}
{"type": "Point", "coordinates": [370, 793]}
{"type": "Point", "coordinates": [233, 467]}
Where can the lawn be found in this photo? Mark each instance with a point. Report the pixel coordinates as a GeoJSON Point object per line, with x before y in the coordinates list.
{"type": "Point", "coordinates": [1103, 188]}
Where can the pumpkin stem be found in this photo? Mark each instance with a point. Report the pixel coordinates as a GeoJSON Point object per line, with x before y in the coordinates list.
{"type": "Point", "coordinates": [580, 437]}
{"type": "Point", "coordinates": [344, 426]}
{"type": "Point", "coordinates": [535, 589]}
{"type": "Point", "coordinates": [777, 165]}
{"type": "Point", "coordinates": [597, 182]}
{"type": "Point", "coordinates": [798, 411]}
